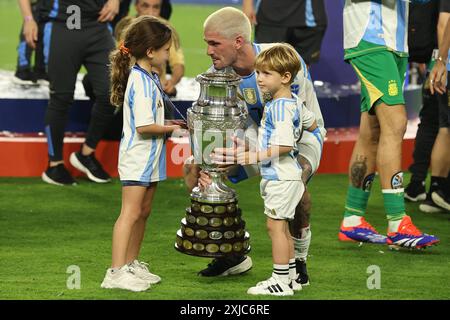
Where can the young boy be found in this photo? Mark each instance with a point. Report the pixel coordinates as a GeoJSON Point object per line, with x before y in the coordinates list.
{"type": "Point", "coordinates": [281, 185]}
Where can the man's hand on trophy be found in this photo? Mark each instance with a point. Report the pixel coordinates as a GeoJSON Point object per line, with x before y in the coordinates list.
{"type": "Point", "coordinates": [204, 180]}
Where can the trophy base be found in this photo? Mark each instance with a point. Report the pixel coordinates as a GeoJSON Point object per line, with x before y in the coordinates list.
{"type": "Point", "coordinates": [194, 253]}
{"type": "Point", "coordinates": [212, 230]}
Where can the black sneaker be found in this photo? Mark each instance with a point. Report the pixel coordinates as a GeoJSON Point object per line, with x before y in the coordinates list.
{"type": "Point", "coordinates": [227, 266]}
{"type": "Point", "coordinates": [441, 199]}
{"type": "Point", "coordinates": [90, 166]}
{"type": "Point", "coordinates": [302, 278]}
{"type": "Point", "coordinates": [58, 175]}
{"type": "Point", "coordinates": [415, 191]}
{"type": "Point", "coordinates": [428, 206]}
{"type": "Point", "coordinates": [24, 77]}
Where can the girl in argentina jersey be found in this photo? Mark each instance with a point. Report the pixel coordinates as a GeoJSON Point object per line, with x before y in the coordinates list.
{"type": "Point", "coordinates": [142, 159]}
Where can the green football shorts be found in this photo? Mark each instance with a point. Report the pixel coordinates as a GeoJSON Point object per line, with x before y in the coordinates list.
{"type": "Point", "coordinates": [382, 74]}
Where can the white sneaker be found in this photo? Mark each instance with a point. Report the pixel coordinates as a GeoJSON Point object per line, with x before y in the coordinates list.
{"type": "Point", "coordinates": [124, 278]}
{"type": "Point", "coordinates": [271, 286]}
{"type": "Point", "coordinates": [142, 272]}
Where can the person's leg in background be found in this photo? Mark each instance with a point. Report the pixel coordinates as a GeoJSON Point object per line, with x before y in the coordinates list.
{"type": "Point", "coordinates": [270, 34]}
{"type": "Point", "coordinates": [24, 74]}
{"type": "Point", "coordinates": [362, 165]}
{"type": "Point", "coordinates": [62, 49]}
{"type": "Point", "coordinates": [40, 69]}
{"type": "Point", "coordinates": [425, 137]}
{"type": "Point", "coordinates": [307, 41]}
{"type": "Point", "coordinates": [96, 60]}
{"type": "Point", "coordinates": [440, 158]}
{"type": "Point", "coordinates": [166, 9]}
{"type": "Point", "coordinates": [391, 114]}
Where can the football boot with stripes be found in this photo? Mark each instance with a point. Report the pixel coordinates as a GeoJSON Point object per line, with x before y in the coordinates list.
{"type": "Point", "coordinates": [408, 236]}
{"type": "Point", "coordinates": [364, 232]}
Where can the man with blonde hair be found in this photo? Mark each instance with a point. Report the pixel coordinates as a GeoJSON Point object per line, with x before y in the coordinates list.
{"type": "Point", "coordinates": [227, 33]}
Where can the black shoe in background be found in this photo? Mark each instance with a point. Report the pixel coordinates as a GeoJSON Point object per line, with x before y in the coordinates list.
{"type": "Point", "coordinates": [441, 199]}
{"type": "Point", "coordinates": [428, 205]}
{"type": "Point", "coordinates": [227, 266]}
{"type": "Point", "coordinates": [24, 77]}
{"type": "Point", "coordinates": [302, 272]}
{"type": "Point", "coordinates": [90, 166]}
{"type": "Point", "coordinates": [58, 175]}
{"type": "Point", "coordinates": [415, 191]}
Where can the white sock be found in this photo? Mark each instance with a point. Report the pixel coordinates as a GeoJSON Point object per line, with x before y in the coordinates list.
{"type": "Point", "coordinates": [292, 269]}
{"type": "Point", "coordinates": [352, 221]}
{"type": "Point", "coordinates": [393, 225]}
{"type": "Point", "coordinates": [301, 245]}
{"type": "Point", "coordinates": [282, 272]}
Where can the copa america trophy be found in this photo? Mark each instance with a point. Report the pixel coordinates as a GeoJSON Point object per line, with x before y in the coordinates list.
{"type": "Point", "coordinates": [213, 225]}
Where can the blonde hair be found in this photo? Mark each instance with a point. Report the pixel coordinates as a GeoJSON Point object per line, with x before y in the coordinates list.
{"type": "Point", "coordinates": [281, 58]}
{"type": "Point", "coordinates": [229, 22]}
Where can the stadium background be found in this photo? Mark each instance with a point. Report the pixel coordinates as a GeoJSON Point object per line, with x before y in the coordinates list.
{"type": "Point", "coordinates": [44, 229]}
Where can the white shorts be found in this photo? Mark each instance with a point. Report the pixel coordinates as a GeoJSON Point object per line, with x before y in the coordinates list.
{"type": "Point", "coordinates": [281, 198]}
{"type": "Point", "coordinates": [310, 147]}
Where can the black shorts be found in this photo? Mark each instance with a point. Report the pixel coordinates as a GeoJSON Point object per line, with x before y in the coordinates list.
{"type": "Point", "coordinates": [306, 40]}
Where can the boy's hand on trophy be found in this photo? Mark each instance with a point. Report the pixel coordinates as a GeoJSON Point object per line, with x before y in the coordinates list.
{"type": "Point", "coordinates": [247, 157]}
{"type": "Point", "coordinates": [228, 156]}
{"type": "Point", "coordinates": [224, 156]}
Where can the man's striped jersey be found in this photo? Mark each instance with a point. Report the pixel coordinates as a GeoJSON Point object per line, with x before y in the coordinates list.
{"type": "Point", "coordinates": [301, 86]}
{"type": "Point", "coordinates": [380, 22]}
{"type": "Point", "coordinates": [142, 157]}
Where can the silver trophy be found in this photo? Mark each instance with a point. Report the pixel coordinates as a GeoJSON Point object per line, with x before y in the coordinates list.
{"type": "Point", "coordinates": [212, 226]}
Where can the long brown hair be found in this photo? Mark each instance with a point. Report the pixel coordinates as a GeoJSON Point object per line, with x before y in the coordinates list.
{"type": "Point", "coordinates": [142, 34]}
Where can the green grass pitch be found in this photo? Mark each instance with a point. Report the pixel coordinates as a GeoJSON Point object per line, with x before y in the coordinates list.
{"type": "Point", "coordinates": [45, 229]}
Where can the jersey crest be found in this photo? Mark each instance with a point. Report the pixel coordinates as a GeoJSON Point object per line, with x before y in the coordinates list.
{"type": "Point", "coordinates": [250, 95]}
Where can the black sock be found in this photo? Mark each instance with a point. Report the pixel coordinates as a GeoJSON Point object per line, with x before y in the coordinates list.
{"type": "Point", "coordinates": [437, 183]}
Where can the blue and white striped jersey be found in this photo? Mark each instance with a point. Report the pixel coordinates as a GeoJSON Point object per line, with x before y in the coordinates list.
{"type": "Point", "coordinates": [142, 157]}
{"type": "Point", "coordinates": [281, 125]}
{"type": "Point", "coordinates": [254, 98]}
{"type": "Point", "coordinates": [380, 22]}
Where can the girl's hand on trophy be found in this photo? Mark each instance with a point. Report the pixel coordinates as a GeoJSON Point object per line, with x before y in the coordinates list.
{"type": "Point", "coordinates": [204, 180]}
{"type": "Point", "coordinates": [180, 123]}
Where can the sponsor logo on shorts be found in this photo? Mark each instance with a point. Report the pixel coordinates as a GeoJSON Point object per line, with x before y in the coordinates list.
{"type": "Point", "coordinates": [392, 88]}
{"type": "Point", "coordinates": [159, 105]}
{"type": "Point", "coordinates": [273, 212]}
